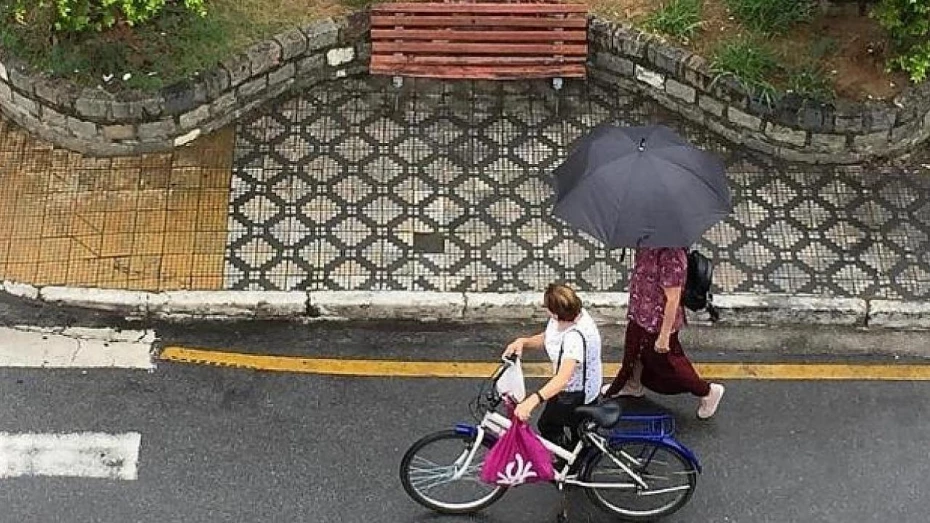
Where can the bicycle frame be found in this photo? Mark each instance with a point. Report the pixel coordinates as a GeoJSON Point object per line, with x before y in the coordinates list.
{"type": "Point", "coordinates": [495, 424]}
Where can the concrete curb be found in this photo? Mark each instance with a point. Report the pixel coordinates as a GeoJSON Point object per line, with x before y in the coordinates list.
{"type": "Point", "coordinates": [608, 308]}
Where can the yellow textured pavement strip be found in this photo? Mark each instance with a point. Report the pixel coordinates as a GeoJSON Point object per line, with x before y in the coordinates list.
{"type": "Point", "coordinates": [475, 369]}
{"type": "Point", "coordinates": [150, 222]}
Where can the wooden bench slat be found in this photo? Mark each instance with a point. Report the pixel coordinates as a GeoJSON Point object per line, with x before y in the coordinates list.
{"type": "Point", "coordinates": [388, 60]}
{"type": "Point", "coordinates": [487, 72]}
{"type": "Point", "coordinates": [476, 21]}
{"type": "Point", "coordinates": [453, 35]}
{"type": "Point", "coordinates": [415, 7]}
{"type": "Point", "coordinates": [460, 48]}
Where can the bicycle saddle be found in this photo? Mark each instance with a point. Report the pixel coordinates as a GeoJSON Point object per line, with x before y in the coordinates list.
{"type": "Point", "coordinates": [606, 414]}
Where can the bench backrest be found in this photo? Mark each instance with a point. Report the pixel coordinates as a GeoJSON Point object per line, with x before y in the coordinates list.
{"type": "Point", "coordinates": [479, 40]}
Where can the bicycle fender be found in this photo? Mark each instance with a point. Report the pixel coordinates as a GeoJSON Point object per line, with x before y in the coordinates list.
{"type": "Point", "coordinates": [667, 441]}
{"type": "Point", "coordinates": [466, 429]}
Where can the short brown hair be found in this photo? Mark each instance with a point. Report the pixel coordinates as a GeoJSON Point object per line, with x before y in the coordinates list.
{"type": "Point", "coordinates": [562, 301]}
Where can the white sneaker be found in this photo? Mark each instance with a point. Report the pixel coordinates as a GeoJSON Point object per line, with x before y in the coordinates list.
{"type": "Point", "coordinates": [627, 390]}
{"type": "Point", "coordinates": [709, 403]}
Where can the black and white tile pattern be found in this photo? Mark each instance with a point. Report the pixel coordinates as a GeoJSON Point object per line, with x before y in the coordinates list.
{"type": "Point", "coordinates": [352, 186]}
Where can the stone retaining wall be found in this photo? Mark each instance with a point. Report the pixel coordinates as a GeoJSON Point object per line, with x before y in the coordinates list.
{"type": "Point", "coordinates": [791, 128]}
{"type": "Point", "coordinates": [93, 121]}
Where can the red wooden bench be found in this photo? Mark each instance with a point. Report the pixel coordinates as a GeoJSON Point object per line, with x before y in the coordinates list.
{"type": "Point", "coordinates": [496, 41]}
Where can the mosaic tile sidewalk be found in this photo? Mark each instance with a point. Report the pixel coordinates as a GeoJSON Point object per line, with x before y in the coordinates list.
{"type": "Point", "coordinates": [349, 186]}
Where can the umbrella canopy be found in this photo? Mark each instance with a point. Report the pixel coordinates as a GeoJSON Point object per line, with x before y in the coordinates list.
{"type": "Point", "coordinates": [641, 187]}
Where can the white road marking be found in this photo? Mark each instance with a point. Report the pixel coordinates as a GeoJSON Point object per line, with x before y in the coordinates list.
{"type": "Point", "coordinates": [81, 454]}
{"type": "Point", "coordinates": [75, 348]}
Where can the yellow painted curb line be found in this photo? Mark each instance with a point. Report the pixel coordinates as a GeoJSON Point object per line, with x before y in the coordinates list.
{"type": "Point", "coordinates": [474, 369]}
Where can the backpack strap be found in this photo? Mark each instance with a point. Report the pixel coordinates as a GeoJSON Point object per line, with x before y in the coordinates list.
{"type": "Point", "coordinates": [584, 359]}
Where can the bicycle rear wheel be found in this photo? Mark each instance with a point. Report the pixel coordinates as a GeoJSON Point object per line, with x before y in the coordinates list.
{"type": "Point", "coordinates": [670, 477]}
{"type": "Point", "coordinates": [427, 470]}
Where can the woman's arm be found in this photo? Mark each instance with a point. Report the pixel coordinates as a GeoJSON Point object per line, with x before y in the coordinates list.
{"type": "Point", "coordinates": [672, 300]}
{"type": "Point", "coordinates": [555, 385]}
{"type": "Point", "coordinates": [532, 342]}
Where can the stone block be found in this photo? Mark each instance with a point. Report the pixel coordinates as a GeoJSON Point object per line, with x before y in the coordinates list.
{"type": "Point", "coordinates": [339, 56]}
{"type": "Point", "coordinates": [872, 141]}
{"type": "Point", "coordinates": [119, 132]}
{"type": "Point", "coordinates": [179, 97]}
{"type": "Point", "coordinates": [286, 72]}
{"type": "Point", "coordinates": [162, 129]}
{"type": "Point", "coordinates": [786, 134]}
{"type": "Point", "coordinates": [680, 91]}
{"type": "Point", "coordinates": [322, 35]}
{"type": "Point", "coordinates": [635, 43]}
{"type": "Point", "coordinates": [311, 64]}
{"type": "Point", "coordinates": [25, 104]}
{"type": "Point", "coordinates": [93, 104]}
{"type": "Point", "coordinates": [907, 133]}
{"type": "Point", "coordinates": [293, 43]}
{"type": "Point", "coordinates": [223, 104]}
{"type": "Point", "coordinates": [877, 118]}
{"type": "Point", "coordinates": [696, 72]}
{"type": "Point", "coordinates": [614, 63]}
{"type": "Point", "coordinates": [742, 119]}
{"type": "Point", "coordinates": [666, 58]}
{"type": "Point", "coordinates": [187, 138]}
{"type": "Point", "coordinates": [215, 82]}
{"type": "Point", "coordinates": [264, 56]}
{"type": "Point", "coordinates": [832, 143]}
{"type": "Point", "coordinates": [3, 74]}
{"type": "Point", "coordinates": [194, 118]}
{"type": "Point", "coordinates": [761, 145]}
{"type": "Point", "coordinates": [252, 87]}
{"type": "Point", "coordinates": [848, 119]}
{"type": "Point", "coordinates": [711, 105]}
{"type": "Point", "coordinates": [810, 117]}
{"type": "Point", "coordinates": [239, 69]}
{"type": "Point", "coordinates": [53, 118]}
{"type": "Point", "coordinates": [6, 94]}
{"type": "Point", "coordinates": [650, 77]}
{"type": "Point", "coordinates": [21, 81]}
{"type": "Point", "coordinates": [82, 129]}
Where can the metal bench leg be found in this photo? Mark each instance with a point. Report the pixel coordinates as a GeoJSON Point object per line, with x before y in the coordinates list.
{"type": "Point", "coordinates": [398, 82]}
{"type": "Point", "coordinates": [557, 84]}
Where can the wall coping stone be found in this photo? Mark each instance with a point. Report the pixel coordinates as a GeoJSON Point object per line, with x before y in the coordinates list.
{"type": "Point", "coordinates": [96, 122]}
{"type": "Point", "coordinates": [93, 121]}
{"type": "Point", "coordinates": [791, 128]}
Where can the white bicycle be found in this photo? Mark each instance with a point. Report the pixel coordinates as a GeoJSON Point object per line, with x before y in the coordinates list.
{"type": "Point", "coordinates": [631, 466]}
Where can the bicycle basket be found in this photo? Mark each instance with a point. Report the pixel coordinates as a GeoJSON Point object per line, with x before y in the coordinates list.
{"type": "Point", "coordinates": [645, 426]}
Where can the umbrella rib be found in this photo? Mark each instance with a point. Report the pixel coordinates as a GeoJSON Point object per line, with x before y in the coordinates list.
{"type": "Point", "coordinates": [687, 169]}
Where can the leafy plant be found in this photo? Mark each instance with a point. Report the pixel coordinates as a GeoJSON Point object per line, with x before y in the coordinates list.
{"type": "Point", "coordinates": [749, 62]}
{"type": "Point", "coordinates": [77, 16]}
{"type": "Point", "coordinates": [908, 23]}
{"type": "Point", "coordinates": [771, 16]}
{"type": "Point", "coordinates": [679, 18]}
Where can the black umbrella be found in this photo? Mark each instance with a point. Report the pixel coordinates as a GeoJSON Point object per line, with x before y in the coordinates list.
{"type": "Point", "coordinates": [641, 186]}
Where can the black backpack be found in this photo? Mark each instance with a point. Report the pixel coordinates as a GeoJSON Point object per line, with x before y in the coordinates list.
{"type": "Point", "coordinates": [697, 294]}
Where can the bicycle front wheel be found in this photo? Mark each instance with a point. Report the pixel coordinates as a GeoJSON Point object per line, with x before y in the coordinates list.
{"type": "Point", "coordinates": [670, 479]}
{"type": "Point", "coordinates": [428, 468]}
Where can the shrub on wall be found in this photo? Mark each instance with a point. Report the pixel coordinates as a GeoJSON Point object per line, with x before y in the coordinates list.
{"type": "Point", "coordinates": [76, 16]}
{"type": "Point", "coordinates": [908, 22]}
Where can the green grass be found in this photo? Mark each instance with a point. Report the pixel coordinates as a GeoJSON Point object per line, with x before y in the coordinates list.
{"type": "Point", "coordinates": [172, 47]}
{"type": "Point", "coordinates": [771, 16]}
{"type": "Point", "coordinates": [750, 62]}
{"type": "Point", "coordinates": [811, 82]}
{"type": "Point", "coordinates": [678, 18]}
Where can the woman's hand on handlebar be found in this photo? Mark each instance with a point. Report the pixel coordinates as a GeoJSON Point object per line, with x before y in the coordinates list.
{"type": "Point", "coordinates": [515, 348]}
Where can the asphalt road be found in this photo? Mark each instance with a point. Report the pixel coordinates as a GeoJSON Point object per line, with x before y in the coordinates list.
{"type": "Point", "coordinates": [221, 444]}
